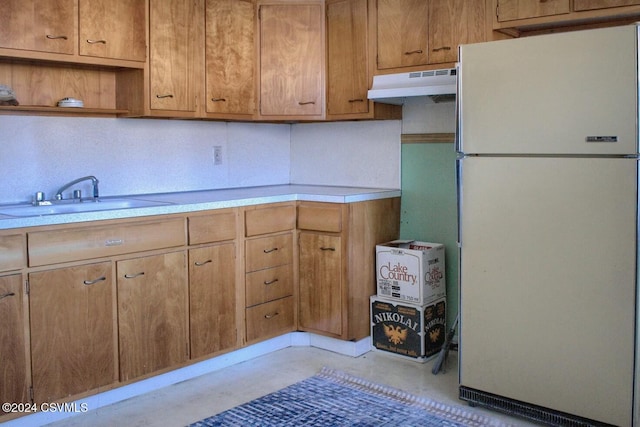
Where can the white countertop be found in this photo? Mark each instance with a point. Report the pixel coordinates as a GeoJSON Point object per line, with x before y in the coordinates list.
{"type": "Point", "coordinates": [192, 201]}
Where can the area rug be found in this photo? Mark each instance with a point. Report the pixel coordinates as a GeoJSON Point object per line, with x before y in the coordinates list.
{"type": "Point", "coordinates": [336, 399]}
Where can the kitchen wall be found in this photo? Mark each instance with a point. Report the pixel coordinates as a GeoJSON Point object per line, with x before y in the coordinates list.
{"type": "Point", "coordinates": [138, 156]}
{"type": "Point", "coordinates": [429, 186]}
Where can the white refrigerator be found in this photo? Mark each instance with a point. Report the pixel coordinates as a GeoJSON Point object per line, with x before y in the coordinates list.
{"type": "Point", "coordinates": [547, 145]}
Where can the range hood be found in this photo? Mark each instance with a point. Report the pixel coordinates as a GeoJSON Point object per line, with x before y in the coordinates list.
{"type": "Point", "coordinates": [440, 85]}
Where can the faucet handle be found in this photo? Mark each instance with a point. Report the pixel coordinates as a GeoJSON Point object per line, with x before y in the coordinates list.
{"type": "Point", "coordinates": [39, 197]}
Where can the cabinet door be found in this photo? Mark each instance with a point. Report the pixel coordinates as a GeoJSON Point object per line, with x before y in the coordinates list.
{"type": "Point", "coordinates": [451, 23]}
{"type": "Point", "coordinates": [13, 370]}
{"type": "Point", "coordinates": [230, 56]}
{"type": "Point", "coordinates": [42, 25]}
{"type": "Point", "coordinates": [320, 283]}
{"type": "Point", "coordinates": [402, 33]}
{"type": "Point", "coordinates": [174, 53]}
{"type": "Point", "coordinates": [509, 10]}
{"type": "Point", "coordinates": [348, 76]}
{"type": "Point", "coordinates": [72, 330]}
{"type": "Point", "coordinates": [152, 313]}
{"type": "Point", "coordinates": [113, 29]}
{"type": "Point", "coordinates": [212, 295]}
{"type": "Point", "coordinates": [579, 5]}
{"type": "Point", "coordinates": [291, 60]}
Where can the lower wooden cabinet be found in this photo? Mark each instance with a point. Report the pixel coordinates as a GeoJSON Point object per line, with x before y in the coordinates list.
{"type": "Point", "coordinates": [270, 319]}
{"type": "Point", "coordinates": [321, 288]}
{"type": "Point", "coordinates": [13, 368]}
{"type": "Point", "coordinates": [152, 314]}
{"type": "Point", "coordinates": [212, 296]}
{"type": "Point", "coordinates": [72, 330]}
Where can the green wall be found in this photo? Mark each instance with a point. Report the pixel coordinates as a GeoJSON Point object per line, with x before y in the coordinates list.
{"type": "Point", "coordinates": [428, 209]}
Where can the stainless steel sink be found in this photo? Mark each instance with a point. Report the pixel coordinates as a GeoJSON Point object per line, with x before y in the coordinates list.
{"type": "Point", "coordinates": [77, 207]}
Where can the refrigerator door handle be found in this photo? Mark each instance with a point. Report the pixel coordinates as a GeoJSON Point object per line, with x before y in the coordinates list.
{"type": "Point", "coordinates": [458, 129]}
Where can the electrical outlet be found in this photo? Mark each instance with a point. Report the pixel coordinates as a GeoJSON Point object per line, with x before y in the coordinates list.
{"type": "Point", "coordinates": [217, 155]}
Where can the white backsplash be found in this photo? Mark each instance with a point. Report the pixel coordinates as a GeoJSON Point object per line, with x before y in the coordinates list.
{"type": "Point", "coordinates": [137, 156]}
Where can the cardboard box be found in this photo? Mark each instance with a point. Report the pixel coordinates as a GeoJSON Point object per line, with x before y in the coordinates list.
{"type": "Point", "coordinates": [410, 331]}
{"type": "Point", "coordinates": [410, 271]}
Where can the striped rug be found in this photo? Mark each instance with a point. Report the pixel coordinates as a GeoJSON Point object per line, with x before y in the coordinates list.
{"type": "Point", "coordinates": [333, 398]}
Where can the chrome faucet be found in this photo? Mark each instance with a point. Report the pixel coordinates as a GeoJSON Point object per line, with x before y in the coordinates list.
{"type": "Point", "coordinates": [76, 194]}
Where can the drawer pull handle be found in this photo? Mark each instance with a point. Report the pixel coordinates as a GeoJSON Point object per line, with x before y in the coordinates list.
{"type": "Point", "coordinates": [93, 282]}
{"type": "Point", "coordinates": [8, 294]}
{"type": "Point", "coordinates": [90, 41]}
{"type": "Point", "coordinates": [218, 100]}
{"type": "Point", "coordinates": [413, 51]}
{"type": "Point", "coordinates": [113, 242]}
{"type": "Point", "coordinates": [50, 37]}
{"type": "Point", "coordinates": [199, 264]}
{"type": "Point", "coordinates": [164, 96]}
{"type": "Point", "coordinates": [356, 100]}
{"type": "Point", "coordinates": [270, 282]}
{"type": "Point", "coordinates": [438, 49]}
{"type": "Point", "coordinates": [133, 276]}
{"type": "Point", "coordinates": [271, 316]}
{"type": "Point", "coordinates": [268, 251]}
{"type": "Point", "coordinates": [324, 248]}
{"type": "Point", "coordinates": [307, 103]}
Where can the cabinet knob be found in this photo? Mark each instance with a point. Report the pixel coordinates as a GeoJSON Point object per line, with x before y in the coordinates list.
{"type": "Point", "coordinates": [133, 276]}
{"type": "Point", "coordinates": [411, 52]}
{"type": "Point", "coordinates": [8, 294]}
{"type": "Point", "coordinates": [438, 49]}
{"type": "Point", "coordinates": [199, 263]}
{"type": "Point", "coordinates": [268, 251]}
{"type": "Point", "coordinates": [306, 102]}
{"type": "Point", "coordinates": [164, 96]}
{"type": "Point", "coordinates": [51, 37]}
{"type": "Point", "coordinates": [270, 282]}
{"type": "Point", "coordinates": [324, 248]}
{"type": "Point", "coordinates": [90, 41]}
{"type": "Point", "coordinates": [218, 99]}
{"type": "Point", "coordinates": [93, 282]}
{"type": "Point", "coordinates": [356, 100]}
{"type": "Point", "coordinates": [271, 315]}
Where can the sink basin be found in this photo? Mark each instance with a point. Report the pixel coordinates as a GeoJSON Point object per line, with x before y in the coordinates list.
{"type": "Point", "coordinates": [86, 206]}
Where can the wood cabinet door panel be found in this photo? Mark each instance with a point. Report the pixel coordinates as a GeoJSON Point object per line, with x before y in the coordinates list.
{"type": "Point", "coordinates": [230, 56]}
{"type": "Point", "coordinates": [13, 369]}
{"type": "Point", "coordinates": [270, 319]}
{"type": "Point", "coordinates": [41, 25]}
{"type": "Point", "coordinates": [268, 252]}
{"type": "Point", "coordinates": [347, 47]}
{"type": "Point", "coordinates": [152, 314]}
{"type": "Point", "coordinates": [451, 23]}
{"type": "Point", "coordinates": [212, 296]}
{"type": "Point", "coordinates": [268, 284]}
{"type": "Point", "coordinates": [321, 299]}
{"type": "Point", "coordinates": [113, 29]}
{"type": "Point", "coordinates": [173, 54]}
{"type": "Point", "coordinates": [579, 5]}
{"type": "Point", "coordinates": [13, 252]}
{"type": "Point", "coordinates": [291, 59]}
{"type": "Point", "coordinates": [72, 330]}
{"type": "Point", "coordinates": [509, 10]}
{"type": "Point", "coordinates": [402, 33]}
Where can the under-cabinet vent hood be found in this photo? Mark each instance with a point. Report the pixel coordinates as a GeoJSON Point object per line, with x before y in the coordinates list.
{"type": "Point", "coordinates": [440, 85]}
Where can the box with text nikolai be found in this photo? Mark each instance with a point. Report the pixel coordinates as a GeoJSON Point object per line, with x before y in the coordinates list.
{"type": "Point", "coordinates": [414, 332]}
{"type": "Point", "coordinates": [410, 271]}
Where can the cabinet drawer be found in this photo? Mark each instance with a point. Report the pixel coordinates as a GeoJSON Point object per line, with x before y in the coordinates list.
{"type": "Point", "coordinates": [320, 217]}
{"type": "Point", "coordinates": [269, 284]}
{"type": "Point", "coordinates": [268, 252]}
{"type": "Point", "coordinates": [270, 220]}
{"type": "Point", "coordinates": [270, 319]}
{"type": "Point", "coordinates": [212, 228]}
{"type": "Point", "coordinates": [55, 246]}
{"type": "Point", "coordinates": [13, 253]}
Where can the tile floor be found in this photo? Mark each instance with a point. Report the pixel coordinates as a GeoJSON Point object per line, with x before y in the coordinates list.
{"type": "Point", "coordinates": [201, 397]}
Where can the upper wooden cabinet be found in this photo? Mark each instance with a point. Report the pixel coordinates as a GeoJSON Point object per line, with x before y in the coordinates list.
{"type": "Point", "coordinates": [113, 29]}
{"type": "Point", "coordinates": [412, 33]}
{"type": "Point", "coordinates": [292, 60]}
{"type": "Point", "coordinates": [508, 10]}
{"type": "Point", "coordinates": [403, 33]}
{"type": "Point", "coordinates": [522, 17]}
{"type": "Point", "coordinates": [452, 23]}
{"type": "Point", "coordinates": [39, 25]}
{"type": "Point", "coordinates": [230, 56]}
{"type": "Point", "coordinates": [174, 54]}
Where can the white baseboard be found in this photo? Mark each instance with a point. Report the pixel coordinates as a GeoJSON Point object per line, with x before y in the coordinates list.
{"type": "Point", "coordinates": [293, 339]}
